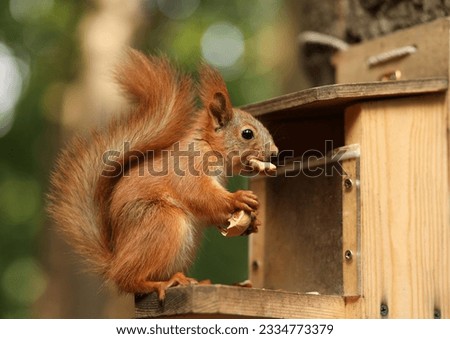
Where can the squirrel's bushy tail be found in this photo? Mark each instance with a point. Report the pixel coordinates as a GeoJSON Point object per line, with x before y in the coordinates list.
{"type": "Point", "coordinates": [85, 174]}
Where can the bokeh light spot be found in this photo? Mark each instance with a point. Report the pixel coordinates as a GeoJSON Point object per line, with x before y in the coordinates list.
{"type": "Point", "coordinates": [22, 10]}
{"type": "Point", "coordinates": [23, 280]}
{"type": "Point", "coordinates": [222, 44]}
{"type": "Point", "coordinates": [11, 82]}
{"type": "Point", "coordinates": [178, 9]}
{"type": "Point", "coordinates": [19, 199]}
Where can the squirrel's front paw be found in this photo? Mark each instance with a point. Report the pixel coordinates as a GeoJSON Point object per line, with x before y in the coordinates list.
{"type": "Point", "coordinates": [245, 200]}
{"type": "Point", "coordinates": [254, 224]}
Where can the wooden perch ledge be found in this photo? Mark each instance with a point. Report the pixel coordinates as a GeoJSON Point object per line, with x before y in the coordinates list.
{"type": "Point", "coordinates": [220, 301]}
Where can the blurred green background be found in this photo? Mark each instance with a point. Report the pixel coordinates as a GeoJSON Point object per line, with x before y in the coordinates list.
{"type": "Point", "coordinates": [55, 59]}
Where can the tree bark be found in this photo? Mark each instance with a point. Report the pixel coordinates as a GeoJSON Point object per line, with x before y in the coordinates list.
{"type": "Point", "coordinates": [355, 21]}
{"type": "Point", "coordinates": [367, 19]}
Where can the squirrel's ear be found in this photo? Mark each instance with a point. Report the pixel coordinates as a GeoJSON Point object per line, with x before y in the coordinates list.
{"type": "Point", "coordinates": [219, 109]}
{"type": "Point", "coordinates": [214, 95]}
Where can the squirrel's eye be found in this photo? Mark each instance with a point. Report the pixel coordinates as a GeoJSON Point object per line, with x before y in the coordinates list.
{"type": "Point", "coordinates": [247, 134]}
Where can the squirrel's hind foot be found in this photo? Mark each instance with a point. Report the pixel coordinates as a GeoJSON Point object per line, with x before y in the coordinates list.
{"type": "Point", "coordinates": [178, 279]}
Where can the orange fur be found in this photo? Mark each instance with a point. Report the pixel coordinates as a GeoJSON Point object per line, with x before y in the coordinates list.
{"type": "Point", "coordinates": [137, 228]}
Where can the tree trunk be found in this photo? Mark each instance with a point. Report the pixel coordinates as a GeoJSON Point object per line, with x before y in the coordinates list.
{"type": "Point", "coordinates": [354, 21]}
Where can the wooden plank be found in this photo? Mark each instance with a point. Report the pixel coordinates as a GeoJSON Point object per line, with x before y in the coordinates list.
{"type": "Point", "coordinates": [257, 241]}
{"type": "Point", "coordinates": [431, 58]}
{"type": "Point", "coordinates": [333, 98]}
{"type": "Point", "coordinates": [351, 224]}
{"type": "Point", "coordinates": [405, 240]}
{"type": "Point", "coordinates": [222, 301]}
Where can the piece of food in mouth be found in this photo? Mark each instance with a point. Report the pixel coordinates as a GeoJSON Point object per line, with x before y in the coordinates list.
{"type": "Point", "coordinates": [261, 166]}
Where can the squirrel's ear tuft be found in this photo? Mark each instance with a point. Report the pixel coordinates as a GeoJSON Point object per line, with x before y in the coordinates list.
{"type": "Point", "coordinates": [214, 95]}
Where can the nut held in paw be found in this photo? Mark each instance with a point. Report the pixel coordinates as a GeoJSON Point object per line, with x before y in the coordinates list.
{"type": "Point", "coordinates": [239, 223]}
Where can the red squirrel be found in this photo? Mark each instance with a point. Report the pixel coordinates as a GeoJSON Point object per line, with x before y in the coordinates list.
{"type": "Point", "coordinates": [134, 197]}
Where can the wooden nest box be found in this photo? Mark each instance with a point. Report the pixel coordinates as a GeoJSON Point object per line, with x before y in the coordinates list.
{"type": "Point", "coordinates": [356, 223]}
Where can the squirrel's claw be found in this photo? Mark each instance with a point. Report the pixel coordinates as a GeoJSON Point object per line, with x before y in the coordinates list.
{"type": "Point", "coordinates": [178, 279]}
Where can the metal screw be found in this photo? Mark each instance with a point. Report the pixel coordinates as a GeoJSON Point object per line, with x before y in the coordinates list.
{"type": "Point", "coordinates": [384, 310]}
{"type": "Point", "coordinates": [348, 184]}
{"type": "Point", "coordinates": [348, 255]}
{"type": "Point", "coordinates": [437, 314]}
